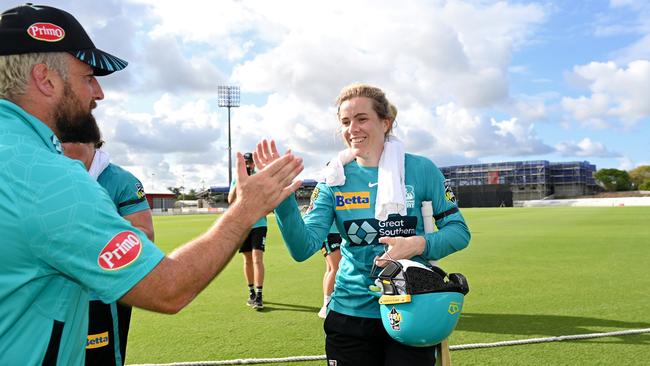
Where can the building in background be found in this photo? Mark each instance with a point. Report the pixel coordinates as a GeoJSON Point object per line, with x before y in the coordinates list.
{"type": "Point", "coordinates": [483, 185]}
{"type": "Point", "coordinates": [527, 180]}
{"type": "Point", "coordinates": [218, 196]}
{"type": "Point", "coordinates": [161, 201]}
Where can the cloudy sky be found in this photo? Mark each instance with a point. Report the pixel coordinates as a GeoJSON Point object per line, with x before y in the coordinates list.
{"type": "Point", "coordinates": [474, 81]}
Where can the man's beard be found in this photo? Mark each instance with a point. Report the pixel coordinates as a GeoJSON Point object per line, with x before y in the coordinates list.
{"type": "Point", "coordinates": [73, 123]}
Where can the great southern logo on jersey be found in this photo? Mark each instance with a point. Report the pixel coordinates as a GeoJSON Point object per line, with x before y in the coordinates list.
{"type": "Point", "coordinates": [97, 340]}
{"type": "Point", "coordinates": [363, 234]}
{"type": "Point", "coordinates": [120, 251]}
{"type": "Point", "coordinates": [352, 200]}
{"type": "Point", "coordinates": [368, 231]}
{"type": "Point", "coordinates": [47, 32]}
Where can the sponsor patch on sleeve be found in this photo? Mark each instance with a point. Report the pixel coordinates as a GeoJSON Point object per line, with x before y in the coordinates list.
{"type": "Point", "coordinates": [139, 190]}
{"type": "Point", "coordinates": [97, 340]}
{"type": "Point", "coordinates": [122, 250]}
{"type": "Point", "coordinates": [449, 194]}
{"type": "Point", "coordinates": [314, 196]}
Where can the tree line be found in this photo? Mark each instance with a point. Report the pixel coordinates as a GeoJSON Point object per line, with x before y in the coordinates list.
{"type": "Point", "coordinates": [620, 180]}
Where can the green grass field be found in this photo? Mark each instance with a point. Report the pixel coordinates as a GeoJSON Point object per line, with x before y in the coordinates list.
{"type": "Point", "coordinates": [533, 272]}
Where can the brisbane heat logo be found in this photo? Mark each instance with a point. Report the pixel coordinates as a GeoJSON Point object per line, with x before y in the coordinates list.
{"type": "Point", "coordinates": [120, 251]}
{"type": "Point", "coordinates": [46, 32]}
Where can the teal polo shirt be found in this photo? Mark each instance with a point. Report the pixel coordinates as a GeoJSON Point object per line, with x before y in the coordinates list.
{"type": "Point", "coordinates": [61, 238]}
{"type": "Point", "coordinates": [125, 190]}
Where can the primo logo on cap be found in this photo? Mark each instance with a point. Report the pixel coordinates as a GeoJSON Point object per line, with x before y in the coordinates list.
{"type": "Point", "coordinates": [46, 32]}
{"type": "Point", "coordinates": [120, 251]}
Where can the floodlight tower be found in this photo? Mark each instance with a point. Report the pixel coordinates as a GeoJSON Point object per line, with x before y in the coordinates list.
{"type": "Point", "coordinates": [229, 98]}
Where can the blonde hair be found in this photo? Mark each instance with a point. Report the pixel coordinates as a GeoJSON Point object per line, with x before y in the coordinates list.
{"type": "Point", "coordinates": [380, 104]}
{"type": "Point", "coordinates": [15, 70]}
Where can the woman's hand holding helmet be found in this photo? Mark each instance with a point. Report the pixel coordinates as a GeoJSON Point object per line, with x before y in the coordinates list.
{"type": "Point", "coordinates": [400, 247]}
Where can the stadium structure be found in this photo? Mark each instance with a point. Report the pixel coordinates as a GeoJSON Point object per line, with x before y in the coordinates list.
{"type": "Point", "coordinates": [218, 196]}
{"type": "Point", "coordinates": [489, 184]}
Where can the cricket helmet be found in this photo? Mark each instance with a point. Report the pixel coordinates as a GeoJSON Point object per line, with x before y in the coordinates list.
{"type": "Point", "coordinates": [419, 305]}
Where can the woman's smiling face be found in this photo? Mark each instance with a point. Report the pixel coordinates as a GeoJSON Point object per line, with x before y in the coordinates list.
{"type": "Point", "coordinates": [362, 130]}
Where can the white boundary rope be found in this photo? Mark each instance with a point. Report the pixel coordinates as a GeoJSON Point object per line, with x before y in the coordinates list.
{"type": "Point", "coordinates": [548, 339]}
{"type": "Point", "coordinates": [251, 361]}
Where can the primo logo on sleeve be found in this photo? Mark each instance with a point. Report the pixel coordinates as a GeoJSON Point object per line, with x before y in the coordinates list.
{"type": "Point", "coordinates": [120, 251]}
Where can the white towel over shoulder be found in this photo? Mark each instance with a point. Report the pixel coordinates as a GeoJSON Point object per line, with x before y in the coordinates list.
{"type": "Point", "coordinates": [391, 189]}
{"type": "Point", "coordinates": [100, 162]}
{"type": "Point", "coordinates": [333, 174]}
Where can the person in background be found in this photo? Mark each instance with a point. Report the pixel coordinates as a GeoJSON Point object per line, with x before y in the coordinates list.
{"type": "Point", "coordinates": [373, 192]}
{"type": "Point", "coordinates": [61, 236]}
{"type": "Point", "coordinates": [332, 256]}
{"type": "Point", "coordinates": [253, 248]}
{"type": "Point", "coordinates": [108, 324]}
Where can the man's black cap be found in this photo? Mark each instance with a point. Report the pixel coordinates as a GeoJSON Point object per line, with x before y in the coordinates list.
{"type": "Point", "coordinates": [248, 157]}
{"type": "Point", "coordinates": [39, 28]}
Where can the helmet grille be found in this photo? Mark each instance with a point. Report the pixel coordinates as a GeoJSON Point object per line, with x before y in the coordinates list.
{"type": "Point", "coordinates": [420, 280]}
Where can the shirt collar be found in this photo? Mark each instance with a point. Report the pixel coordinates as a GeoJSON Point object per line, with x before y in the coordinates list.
{"type": "Point", "coordinates": [41, 129]}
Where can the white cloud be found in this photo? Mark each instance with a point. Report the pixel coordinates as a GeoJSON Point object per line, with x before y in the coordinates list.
{"type": "Point", "coordinates": [584, 148]}
{"type": "Point", "coordinates": [617, 94]}
{"type": "Point", "coordinates": [435, 53]}
{"type": "Point", "coordinates": [625, 163]}
{"type": "Point", "coordinates": [639, 50]}
{"type": "Point", "coordinates": [447, 65]}
{"type": "Point", "coordinates": [453, 130]}
{"type": "Point", "coordinates": [531, 108]}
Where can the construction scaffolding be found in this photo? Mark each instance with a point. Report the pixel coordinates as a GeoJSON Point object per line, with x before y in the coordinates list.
{"type": "Point", "coordinates": [528, 180]}
{"type": "Point", "coordinates": [573, 179]}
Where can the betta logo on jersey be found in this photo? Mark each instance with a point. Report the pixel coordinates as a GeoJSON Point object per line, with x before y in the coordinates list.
{"type": "Point", "coordinates": [46, 32]}
{"type": "Point", "coordinates": [97, 340]}
{"type": "Point", "coordinates": [352, 200]}
{"type": "Point", "coordinates": [120, 251]}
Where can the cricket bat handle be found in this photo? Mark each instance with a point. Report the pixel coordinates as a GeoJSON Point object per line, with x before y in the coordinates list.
{"type": "Point", "coordinates": [444, 357]}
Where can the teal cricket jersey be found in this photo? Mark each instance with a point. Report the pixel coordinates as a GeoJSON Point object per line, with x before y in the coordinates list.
{"type": "Point", "coordinates": [128, 196]}
{"type": "Point", "coordinates": [352, 208]}
{"type": "Point", "coordinates": [333, 228]}
{"type": "Point", "coordinates": [259, 223]}
{"type": "Point", "coordinates": [125, 190]}
{"type": "Point", "coordinates": [61, 237]}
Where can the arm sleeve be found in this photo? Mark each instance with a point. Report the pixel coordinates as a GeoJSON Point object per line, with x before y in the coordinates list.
{"type": "Point", "coordinates": [132, 198]}
{"type": "Point", "coordinates": [453, 234]}
{"type": "Point", "coordinates": [304, 236]}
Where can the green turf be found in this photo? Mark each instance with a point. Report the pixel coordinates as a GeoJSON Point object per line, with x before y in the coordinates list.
{"type": "Point", "coordinates": [533, 272]}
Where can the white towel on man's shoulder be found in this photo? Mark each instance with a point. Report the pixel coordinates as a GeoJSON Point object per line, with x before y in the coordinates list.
{"type": "Point", "coordinates": [100, 162]}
